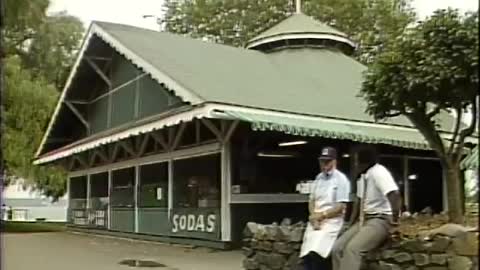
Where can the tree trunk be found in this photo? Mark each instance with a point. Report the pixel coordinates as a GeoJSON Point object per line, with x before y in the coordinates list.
{"type": "Point", "coordinates": [454, 195]}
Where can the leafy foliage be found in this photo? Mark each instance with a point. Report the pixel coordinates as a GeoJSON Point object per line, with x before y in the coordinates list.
{"type": "Point", "coordinates": [46, 44]}
{"type": "Point", "coordinates": [371, 23]}
{"type": "Point", "coordinates": [28, 105]}
{"type": "Point", "coordinates": [53, 48]}
{"type": "Point", "coordinates": [431, 69]}
{"type": "Point", "coordinates": [22, 19]}
{"type": "Point", "coordinates": [39, 52]}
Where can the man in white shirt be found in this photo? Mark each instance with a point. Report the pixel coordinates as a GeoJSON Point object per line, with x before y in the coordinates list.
{"type": "Point", "coordinates": [380, 204]}
{"type": "Point", "coordinates": [328, 196]}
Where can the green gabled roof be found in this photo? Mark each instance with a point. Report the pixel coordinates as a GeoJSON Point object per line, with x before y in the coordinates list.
{"type": "Point", "coordinates": [308, 81]}
{"type": "Point", "coordinates": [298, 23]}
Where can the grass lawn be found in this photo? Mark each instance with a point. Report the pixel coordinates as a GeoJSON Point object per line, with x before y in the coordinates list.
{"type": "Point", "coordinates": [32, 227]}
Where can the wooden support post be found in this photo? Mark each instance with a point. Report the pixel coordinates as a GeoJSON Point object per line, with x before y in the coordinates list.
{"type": "Point", "coordinates": [109, 208]}
{"type": "Point", "coordinates": [137, 177]}
{"type": "Point", "coordinates": [170, 188]}
{"type": "Point", "coordinates": [89, 193]}
{"type": "Point", "coordinates": [69, 192]}
{"type": "Point", "coordinates": [406, 184]}
{"type": "Point", "coordinates": [226, 187]}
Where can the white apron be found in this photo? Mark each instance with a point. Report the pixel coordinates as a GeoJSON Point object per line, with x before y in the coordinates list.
{"type": "Point", "coordinates": [322, 240]}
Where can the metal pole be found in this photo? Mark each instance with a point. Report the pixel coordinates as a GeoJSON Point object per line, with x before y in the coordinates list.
{"type": "Point", "coordinates": [298, 6]}
{"type": "Point", "coordinates": [406, 183]}
{"type": "Point", "coordinates": [109, 208]}
{"type": "Point", "coordinates": [137, 176]}
{"type": "Point", "coordinates": [170, 188]}
{"type": "Point", "coordinates": [226, 185]}
{"type": "Point", "coordinates": [89, 194]}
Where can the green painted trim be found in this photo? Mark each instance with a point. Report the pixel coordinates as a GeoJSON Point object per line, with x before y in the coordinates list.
{"type": "Point", "coordinates": [153, 238]}
{"type": "Point", "coordinates": [313, 132]}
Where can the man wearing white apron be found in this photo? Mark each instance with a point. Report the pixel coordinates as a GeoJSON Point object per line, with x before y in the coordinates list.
{"type": "Point", "coordinates": [328, 198]}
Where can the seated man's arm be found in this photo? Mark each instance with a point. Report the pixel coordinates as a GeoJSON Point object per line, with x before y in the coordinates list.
{"type": "Point", "coordinates": [337, 210]}
{"type": "Point", "coordinates": [395, 200]}
{"type": "Point", "coordinates": [385, 182]}
{"type": "Point", "coordinates": [355, 211]}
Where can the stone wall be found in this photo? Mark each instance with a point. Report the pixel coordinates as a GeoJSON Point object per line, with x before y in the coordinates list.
{"type": "Point", "coordinates": [276, 247]}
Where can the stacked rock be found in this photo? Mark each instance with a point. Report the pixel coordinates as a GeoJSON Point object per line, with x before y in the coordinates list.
{"type": "Point", "coordinates": [450, 247]}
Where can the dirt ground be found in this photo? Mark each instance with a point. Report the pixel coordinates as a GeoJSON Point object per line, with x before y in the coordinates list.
{"type": "Point", "coordinates": [66, 250]}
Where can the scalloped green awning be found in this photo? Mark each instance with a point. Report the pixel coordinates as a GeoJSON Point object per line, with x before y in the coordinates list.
{"type": "Point", "coordinates": [471, 161]}
{"type": "Point", "coordinates": [333, 129]}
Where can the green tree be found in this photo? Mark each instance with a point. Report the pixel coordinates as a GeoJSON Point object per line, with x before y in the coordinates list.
{"type": "Point", "coordinates": [371, 23]}
{"type": "Point", "coordinates": [39, 51]}
{"type": "Point", "coordinates": [53, 48]}
{"type": "Point", "coordinates": [47, 45]}
{"type": "Point", "coordinates": [28, 105]}
{"type": "Point", "coordinates": [431, 69]}
{"type": "Point", "coordinates": [22, 20]}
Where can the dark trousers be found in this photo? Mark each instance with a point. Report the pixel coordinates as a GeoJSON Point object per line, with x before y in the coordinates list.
{"type": "Point", "coordinates": [313, 261]}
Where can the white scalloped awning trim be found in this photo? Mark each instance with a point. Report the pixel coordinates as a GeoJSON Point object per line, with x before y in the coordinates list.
{"type": "Point", "coordinates": [156, 125]}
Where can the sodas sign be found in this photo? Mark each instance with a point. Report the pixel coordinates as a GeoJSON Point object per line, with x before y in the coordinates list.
{"type": "Point", "coordinates": [194, 223]}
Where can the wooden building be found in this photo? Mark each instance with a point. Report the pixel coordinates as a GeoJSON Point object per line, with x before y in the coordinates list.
{"type": "Point", "coordinates": [170, 138]}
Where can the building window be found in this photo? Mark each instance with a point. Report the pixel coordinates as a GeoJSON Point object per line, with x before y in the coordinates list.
{"type": "Point", "coordinates": [99, 191]}
{"type": "Point", "coordinates": [197, 182]}
{"type": "Point", "coordinates": [122, 194]}
{"type": "Point", "coordinates": [78, 192]}
{"type": "Point", "coordinates": [153, 185]}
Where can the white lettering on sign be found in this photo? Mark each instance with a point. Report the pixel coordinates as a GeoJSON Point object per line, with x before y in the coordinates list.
{"type": "Point", "coordinates": [175, 223]}
{"type": "Point", "coordinates": [183, 223]}
{"type": "Point", "coordinates": [211, 223]}
{"type": "Point", "coordinates": [194, 223]}
{"type": "Point", "coordinates": [200, 227]}
{"type": "Point", "coordinates": [191, 223]}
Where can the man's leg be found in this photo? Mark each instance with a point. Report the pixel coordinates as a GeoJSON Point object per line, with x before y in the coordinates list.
{"type": "Point", "coordinates": [339, 245]}
{"type": "Point", "coordinates": [313, 261]}
{"type": "Point", "coordinates": [370, 236]}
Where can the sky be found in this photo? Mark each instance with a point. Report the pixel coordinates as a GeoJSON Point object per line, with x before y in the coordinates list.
{"type": "Point", "coordinates": [132, 11]}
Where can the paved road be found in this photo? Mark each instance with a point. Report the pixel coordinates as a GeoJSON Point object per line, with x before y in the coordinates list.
{"type": "Point", "coordinates": [64, 250]}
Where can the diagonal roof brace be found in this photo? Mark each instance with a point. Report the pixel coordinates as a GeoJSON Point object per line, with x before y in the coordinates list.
{"type": "Point", "coordinates": [79, 115]}
{"type": "Point", "coordinates": [99, 71]}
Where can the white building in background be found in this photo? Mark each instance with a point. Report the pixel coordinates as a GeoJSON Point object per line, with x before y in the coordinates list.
{"type": "Point", "coordinates": [28, 204]}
